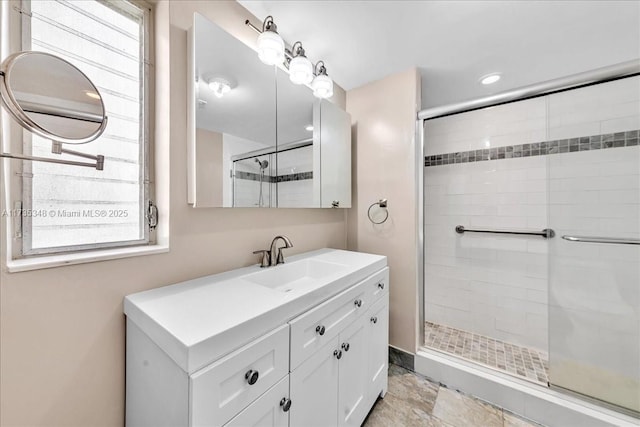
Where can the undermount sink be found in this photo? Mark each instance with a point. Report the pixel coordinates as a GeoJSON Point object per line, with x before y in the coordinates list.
{"type": "Point", "coordinates": [288, 277]}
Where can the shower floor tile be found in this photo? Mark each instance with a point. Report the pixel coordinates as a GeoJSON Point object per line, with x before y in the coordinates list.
{"type": "Point", "coordinates": [513, 359]}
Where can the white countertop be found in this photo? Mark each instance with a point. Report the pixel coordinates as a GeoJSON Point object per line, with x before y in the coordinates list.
{"type": "Point", "coordinates": [200, 320]}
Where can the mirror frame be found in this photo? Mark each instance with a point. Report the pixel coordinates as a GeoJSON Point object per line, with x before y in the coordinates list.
{"type": "Point", "coordinates": [14, 109]}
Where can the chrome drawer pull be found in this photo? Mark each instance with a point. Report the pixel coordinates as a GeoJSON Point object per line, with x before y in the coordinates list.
{"type": "Point", "coordinates": [320, 330]}
{"type": "Point", "coordinates": [345, 346]}
{"type": "Point", "coordinates": [358, 303]}
{"type": "Point", "coordinates": [337, 354]}
{"type": "Point", "coordinates": [374, 319]}
{"type": "Point", "coordinates": [286, 404]}
{"type": "Point", "coordinates": [251, 376]}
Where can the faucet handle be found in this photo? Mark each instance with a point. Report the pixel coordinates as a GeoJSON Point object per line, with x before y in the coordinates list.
{"type": "Point", "coordinates": [264, 261]}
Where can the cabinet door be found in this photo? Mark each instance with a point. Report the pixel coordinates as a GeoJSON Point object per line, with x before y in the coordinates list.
{"type": "Point", "coordinates": [269, 410]}
{"type": "Point", "coordinates": [314, 389]}
{"type": "Point", "coordinates": [377, 321]}
{"type": "Point", "coordinates": [353, 383]}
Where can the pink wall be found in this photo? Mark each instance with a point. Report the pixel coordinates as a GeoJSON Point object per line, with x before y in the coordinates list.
{"type": "Point", "coordinates": [384, 119]}
{"type": "Point", "coordinates": [62, 331]}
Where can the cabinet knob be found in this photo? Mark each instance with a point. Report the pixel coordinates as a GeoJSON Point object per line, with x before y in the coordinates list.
{"type": "Point", "coordinates": [345, 346]}
{"type": "Point", "coordinates": [337, 354]}
{"type": "Point", "coordinates": [381, 285]}
{"type": "Point", "coordinates": [251, 376]}
{"type": "Point", "coordinates": [374, 319]}
{"type": "Point", "coordinates": [286, 404]}
{"type": "Point", "coordinates": [320, 330]}
{"type": "Point", "coordinates": [358, 303]}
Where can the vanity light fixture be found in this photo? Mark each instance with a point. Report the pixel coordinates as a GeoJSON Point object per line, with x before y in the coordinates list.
{"type": "Point", "coordinates": [272, 51]}
{"type": "Point", "coordinates": [220, 87]}
{"type": "Point", "coordinates": [322, 84]}
{"type": "Point", "coordinates": [490, 78]}
{"type": "Point", "coordinates": [300, 68]}
{"type": "Point", "coordinates": [270, 44]}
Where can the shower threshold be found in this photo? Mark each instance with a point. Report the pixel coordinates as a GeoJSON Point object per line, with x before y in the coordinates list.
{"type": "Point", "coordinates": [519, 361]}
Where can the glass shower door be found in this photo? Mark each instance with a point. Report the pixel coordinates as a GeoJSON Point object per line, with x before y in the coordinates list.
{"type": "Point", "coordinates": [594, 260]}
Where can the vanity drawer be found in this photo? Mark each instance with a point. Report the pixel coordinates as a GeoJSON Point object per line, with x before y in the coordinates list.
{"type": "Point", "coordinates": [224, 388]}
{"type": "Point", "coordinates": [380, 285]}
{"type": "Point", "coordinates": [312, 330]}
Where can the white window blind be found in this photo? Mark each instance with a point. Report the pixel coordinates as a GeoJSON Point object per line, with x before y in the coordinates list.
{"type": "Point", "coordinates": [75, 208]}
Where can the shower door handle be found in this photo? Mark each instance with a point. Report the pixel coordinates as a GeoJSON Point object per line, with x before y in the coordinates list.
{"type": "Point", "coordinates": [608, 240]}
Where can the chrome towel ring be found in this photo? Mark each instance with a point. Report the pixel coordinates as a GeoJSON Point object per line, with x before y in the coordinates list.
{"type": "Point", "coordinates": [383, 204]}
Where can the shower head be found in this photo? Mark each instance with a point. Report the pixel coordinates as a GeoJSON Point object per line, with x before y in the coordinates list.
{"type": "Point", "coordinates": [263, 164]}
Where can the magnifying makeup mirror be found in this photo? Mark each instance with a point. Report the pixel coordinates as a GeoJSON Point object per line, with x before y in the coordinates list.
{"type": "Point", "coordinates": [52, 98]}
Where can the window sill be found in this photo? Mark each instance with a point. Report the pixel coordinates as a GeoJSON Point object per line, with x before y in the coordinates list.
{"type": "Point", "coordinates": [38, 263]}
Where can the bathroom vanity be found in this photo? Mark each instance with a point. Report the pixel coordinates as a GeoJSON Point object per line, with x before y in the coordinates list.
{"type": "Point", "coordinates": [303, 343]}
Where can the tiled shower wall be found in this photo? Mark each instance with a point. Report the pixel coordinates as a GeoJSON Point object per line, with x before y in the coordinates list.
{"type": "Point", "coordinates": [494, 285]}
{"type": "Point", "coordinates": [298, 191]}
{"type": "Point", "coordinates": [488, 284]}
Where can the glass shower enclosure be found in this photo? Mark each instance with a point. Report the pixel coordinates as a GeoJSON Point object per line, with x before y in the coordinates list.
{"type": "Point", "coordinates": [531, 240]}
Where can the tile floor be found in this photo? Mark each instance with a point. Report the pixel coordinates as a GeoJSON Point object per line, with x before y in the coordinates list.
{"type": "Point", "coordinates": [413, 401]}
{"type": "Point", "coordinates": [520, 361]}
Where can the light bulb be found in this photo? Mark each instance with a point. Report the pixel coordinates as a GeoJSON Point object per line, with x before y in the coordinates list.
{"type": "Point", "coordinates": [270, 48]}
{"type": "Point", "coordinates": [300, 70]}
{"type": "Point", "coordinates": [322, 86]}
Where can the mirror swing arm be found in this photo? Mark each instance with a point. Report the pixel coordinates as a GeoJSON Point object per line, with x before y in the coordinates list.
{"type": "Point", "coordinates": [16, 111]}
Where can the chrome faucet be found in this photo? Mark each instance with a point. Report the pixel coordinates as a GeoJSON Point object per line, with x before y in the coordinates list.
{"type": "Point", "coordinates": [269, 257]}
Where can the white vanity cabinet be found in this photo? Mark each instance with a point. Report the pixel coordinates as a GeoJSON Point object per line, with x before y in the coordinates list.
{"type": "Point", "coordinates": [345, 376]}
{"type": "Point", "coordinates": [317, 358]}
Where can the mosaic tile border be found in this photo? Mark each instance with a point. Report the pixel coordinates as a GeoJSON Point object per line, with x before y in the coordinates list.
{"type": "Point", "coordinates": [300, 176]}
{"type": "Point", "coordinates": [251, 176]}
{"type": "Point", "coordinates": [513, 359]}
{"type": "Point", "coordinates": [585, 143]}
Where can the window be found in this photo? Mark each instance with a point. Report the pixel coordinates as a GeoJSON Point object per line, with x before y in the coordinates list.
{"type": "Point", "coordinates": [69, 208]}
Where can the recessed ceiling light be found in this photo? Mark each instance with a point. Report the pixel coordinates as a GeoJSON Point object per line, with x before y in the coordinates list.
{"type": "Point", "coordinates": [309, 128]}
{"type": "Point", "coordinates": [490, 78]}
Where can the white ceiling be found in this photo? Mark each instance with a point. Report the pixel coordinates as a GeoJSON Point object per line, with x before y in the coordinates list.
{"type": "Point", "coordinates": [454, 43]}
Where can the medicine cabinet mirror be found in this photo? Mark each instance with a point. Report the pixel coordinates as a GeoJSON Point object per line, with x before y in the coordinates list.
{"type": "Point", "coordinates": [255, 138]}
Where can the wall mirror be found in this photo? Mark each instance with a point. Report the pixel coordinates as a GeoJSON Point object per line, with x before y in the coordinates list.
{"type": "Point", "coordinates": [53, 99]}
{"type": "Point", "coordinates": [255, 138]}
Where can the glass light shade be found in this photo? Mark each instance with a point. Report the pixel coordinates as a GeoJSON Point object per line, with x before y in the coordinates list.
{"type": "Point", "coordinates": [322, 86]}
{"type": "Point", "coordinates": [300, 70]}
{"type": "Point", "coordinates": [270, 48]}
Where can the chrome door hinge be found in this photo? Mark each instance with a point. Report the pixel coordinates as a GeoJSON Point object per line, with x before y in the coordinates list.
{"type": "Point", "coordinates": [152, 215]}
